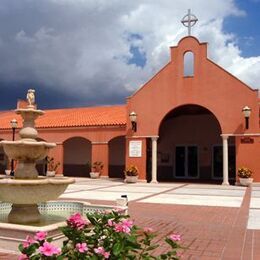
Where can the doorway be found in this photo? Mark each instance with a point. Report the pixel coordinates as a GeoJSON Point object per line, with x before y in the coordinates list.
{"type": "Point", "coordinates": [217, 164]}
{"type": "Point", "coordinates": [186, 161]}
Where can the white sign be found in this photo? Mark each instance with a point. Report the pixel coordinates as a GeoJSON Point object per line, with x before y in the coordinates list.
{"type": "Point", "coordinates": [135, 149]}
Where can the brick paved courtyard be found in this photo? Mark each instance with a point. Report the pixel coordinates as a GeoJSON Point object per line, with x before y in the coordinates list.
{"type": "Point", "coordinates": [215, 222]}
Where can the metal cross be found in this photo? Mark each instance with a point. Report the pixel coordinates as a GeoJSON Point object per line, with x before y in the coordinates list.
{"type": "Point", "coordinates": [189, 20]}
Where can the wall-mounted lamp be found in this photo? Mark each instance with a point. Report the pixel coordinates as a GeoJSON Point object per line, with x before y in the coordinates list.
{"type": "Point", "coordinates": [247, 112]}
{"type": "Point", "coordinates": [133, 117]}
{"type": "Point", "coordinates": [14, 124]}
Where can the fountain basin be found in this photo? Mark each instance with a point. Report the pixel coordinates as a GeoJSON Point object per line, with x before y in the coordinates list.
{"type": "Point", "coordinates": [25, 150]}
{"type": "Point", "coordinates": [19, 191]}
{"type": "Point", "coordinates": [53, 216]}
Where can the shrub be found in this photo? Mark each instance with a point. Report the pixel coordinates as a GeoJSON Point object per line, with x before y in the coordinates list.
{"type": "Point", "coordinates": [51, 165]}
{"type": "Point", "coordinates": [97, 166]}
{"type": "Point", "coordinates": [132, 170]}
{"type": "Point", "coordinates": [244, 172]}
{"type": "Point", "coordinates": [107, 235]}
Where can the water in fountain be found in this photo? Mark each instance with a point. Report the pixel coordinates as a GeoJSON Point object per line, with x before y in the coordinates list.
{"type": "Point", "coordinates": [27, 189]}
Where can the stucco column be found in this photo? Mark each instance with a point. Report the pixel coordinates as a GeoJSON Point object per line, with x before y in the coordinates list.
{"type": "Point", "coordinates": [225, 160]}
{"type": "Point", "coordinates": [154, 160]}
{"type": "Point", "coordinates": [100, 153]}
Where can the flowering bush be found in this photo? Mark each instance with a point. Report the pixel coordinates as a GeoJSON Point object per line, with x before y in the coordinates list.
{"type": "Point", "coordinates": [244, 172]}
{"type": "Point", "coordinates": [131, 171]}
{"type": "Point", "coordinates": [51, 165]}
{"type": "Point", "coordinates": [107, 235]}
{"type": "Point", "coordinates": [97, 166]}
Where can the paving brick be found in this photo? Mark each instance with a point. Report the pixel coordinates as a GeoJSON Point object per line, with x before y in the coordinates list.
{"type": "Point", "coordinates": [208, 233]}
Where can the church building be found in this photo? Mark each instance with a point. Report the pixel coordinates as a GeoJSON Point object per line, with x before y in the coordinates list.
{"type": "Point", "coordinates": [192, 121]}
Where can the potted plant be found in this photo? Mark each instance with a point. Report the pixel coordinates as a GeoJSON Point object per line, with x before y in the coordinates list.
{"type": "Point", "coordinates": [245, 175]}
{"type": "Point", "coordinates": [131, 174]}
{"type": "Point", "coordinates": [97, 168]}
{"type": "Point", "coordinates": [51, 166]}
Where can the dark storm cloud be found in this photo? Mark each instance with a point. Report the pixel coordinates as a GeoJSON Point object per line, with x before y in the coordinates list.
{"type": "Point", "coordinates": [80, 52]}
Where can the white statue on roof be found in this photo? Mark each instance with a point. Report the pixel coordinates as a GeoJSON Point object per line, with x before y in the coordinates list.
{"type": "Point", "coordinates": [30, 97]}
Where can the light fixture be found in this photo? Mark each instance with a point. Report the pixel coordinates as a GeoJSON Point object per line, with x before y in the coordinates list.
{"type": "Point", "coordinates": [247, 112]}
{"type": "Point", "coordinates": [133, 117]}
{"type": "Point", "coordinates": [14, 124]}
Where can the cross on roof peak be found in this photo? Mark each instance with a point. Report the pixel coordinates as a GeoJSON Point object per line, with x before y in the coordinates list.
{"type": "Point", "coordinates": [189, 20]}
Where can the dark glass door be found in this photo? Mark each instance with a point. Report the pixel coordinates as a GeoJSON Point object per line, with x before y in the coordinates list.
{"type": "Point", "coordinates": [218, 162]}
{"type": "Point", "coordinates": [192, 162]}
{"type": "Point", "coordinates": [180, 161]}
{"type": "Point", "coordinates": [186, 161]}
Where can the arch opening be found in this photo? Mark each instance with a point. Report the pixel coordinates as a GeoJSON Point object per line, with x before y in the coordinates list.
{"type": "Point", "coordinates": [77, 157]}
{"type": "Point", "coordinates": [190, 147]}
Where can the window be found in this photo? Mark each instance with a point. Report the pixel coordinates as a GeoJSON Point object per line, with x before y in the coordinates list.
{"type": "Point", "coordinates": [188, 64]}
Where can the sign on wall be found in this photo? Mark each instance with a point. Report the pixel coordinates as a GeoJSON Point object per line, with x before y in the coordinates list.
{"type": "Point", "coordinates": [135, 149]}
{"type": "Point", "coordinates": [247, 140]}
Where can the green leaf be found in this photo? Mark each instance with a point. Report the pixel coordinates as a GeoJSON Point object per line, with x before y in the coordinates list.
{"type": "Point", "coordinates": [149, 248]}
{"type": "Point", "coordinates": [31, 249]}
{"type": "Point", "coordinates": [20, 247]}
{"type": "Point", "coordinates": [117, 248]}
{"type": "Point", "coordinates": [49, 239]}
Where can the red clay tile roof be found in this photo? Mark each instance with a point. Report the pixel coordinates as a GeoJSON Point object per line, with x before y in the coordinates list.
{"type": "Point", "coordinates": [72, 117]}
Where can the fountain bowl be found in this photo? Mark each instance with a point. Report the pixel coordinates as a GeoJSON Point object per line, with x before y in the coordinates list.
{"type": "Point", "coordinates": [26, 149]}
{"type": "Point", "coordinates": [32, 191]}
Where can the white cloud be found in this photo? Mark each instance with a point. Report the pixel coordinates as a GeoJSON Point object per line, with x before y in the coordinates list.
{"type": "Point", "coordinates": [82, 46]}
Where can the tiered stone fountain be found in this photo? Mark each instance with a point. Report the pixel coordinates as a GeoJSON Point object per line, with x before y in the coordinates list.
{"type": "Point", "coordinates": [26, 189]}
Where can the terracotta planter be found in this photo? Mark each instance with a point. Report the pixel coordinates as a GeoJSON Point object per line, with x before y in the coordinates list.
{"type": "Point", "coordinates": [8, 172]}
{"type": "Point", "coordinates": [245, 181]}
{"type": "Point", "coordinates": [131, 179]}
{"type": "Point", "coordinates": [50, 173]}
{"type": "Point", "coordinates": [94, 175]}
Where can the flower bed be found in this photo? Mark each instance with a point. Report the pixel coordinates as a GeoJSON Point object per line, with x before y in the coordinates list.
{"type": "Point", "coordinates": [100, 236]}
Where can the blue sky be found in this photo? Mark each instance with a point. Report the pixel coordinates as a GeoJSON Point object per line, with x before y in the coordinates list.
{"type": "Point", "coordinates": [246, 27]}
{"type": "Point", "coordinates": [84, 53]}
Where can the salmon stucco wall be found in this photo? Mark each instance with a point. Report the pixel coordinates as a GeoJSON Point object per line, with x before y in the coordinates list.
{"type": "Point", "coordinates": [211, 87]}
{"type": "Point", "coordinates": [248, 155]}
{"type": "Point", "coordinates": [140, 162]}
{"type": "Point", "coordinates": [98, 136]}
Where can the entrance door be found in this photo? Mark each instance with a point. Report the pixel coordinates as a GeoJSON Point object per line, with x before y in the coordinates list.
{"type": "Point", "coordinates": [218, 162]}
{"type": "Point", "coordinates": [186, 161]}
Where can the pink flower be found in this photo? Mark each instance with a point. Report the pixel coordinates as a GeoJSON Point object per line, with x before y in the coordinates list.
{"type": "Point", "coordinates": [23, 257]}
{"type": "Point", "coordinates": [101, 251]}
{"type": "Point", "coordinates": [148, 230]}
{"type": "Point", "coordinates": [40, 236]}
{"type": "Point", "coordinates": [124, 226]}
{"type": "Point", "coordinates": [76, 221]}
{"type": "Point", "coordinates": [175, 237]}
{"type": "Point", "coordinates": [28, 242]}
{"type": "Point", "coordinates": [110, 223]}
{"type": "Point", "coordinates": [49, 250]}
{"type": "Point", "coordinates": [82, 247]}
{"type": "Point", "coordinates": [127, 222]}
{"type": "Point", "coordinates": [106, 255]}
